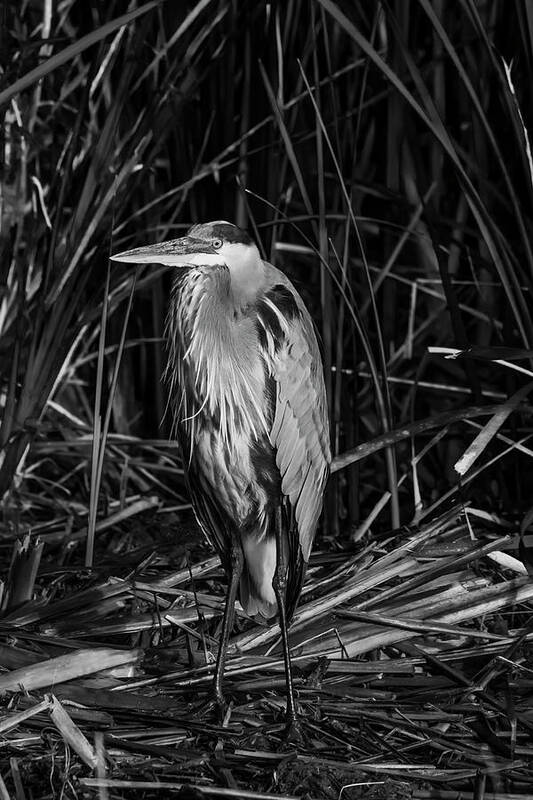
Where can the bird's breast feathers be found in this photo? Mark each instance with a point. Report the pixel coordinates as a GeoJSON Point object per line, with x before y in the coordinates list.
{"type": "Point", "coordinates": [222, 356]}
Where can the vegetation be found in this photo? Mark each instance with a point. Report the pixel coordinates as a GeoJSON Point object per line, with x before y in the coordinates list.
{"type": "Point", "coordinates": [379, 153]}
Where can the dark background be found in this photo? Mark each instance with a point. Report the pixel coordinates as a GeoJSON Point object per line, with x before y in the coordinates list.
{"type": "Point", "coordinates": [377, 152]}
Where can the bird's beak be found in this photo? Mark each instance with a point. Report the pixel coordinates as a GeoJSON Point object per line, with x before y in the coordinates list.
{"type": "Point", "coordinates": [177, 252]}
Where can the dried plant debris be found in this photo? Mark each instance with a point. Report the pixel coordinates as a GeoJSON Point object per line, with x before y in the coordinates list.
{"type": "Point", "coordinates": [416, 669]}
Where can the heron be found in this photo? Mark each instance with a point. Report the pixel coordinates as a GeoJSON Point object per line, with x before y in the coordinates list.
{"type": "Point", "coordinates": [249, 412]}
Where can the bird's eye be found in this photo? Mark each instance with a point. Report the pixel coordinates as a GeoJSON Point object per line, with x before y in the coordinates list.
{"type": "Point", "coordinates": [217, 244]}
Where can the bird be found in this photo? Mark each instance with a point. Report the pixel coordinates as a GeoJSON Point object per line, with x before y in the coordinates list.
{"type": "Point", "coordinates": [248, 405]}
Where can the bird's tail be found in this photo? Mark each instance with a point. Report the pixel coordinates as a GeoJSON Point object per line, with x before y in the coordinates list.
{"type": "Point", "coordinates": [256, 590]}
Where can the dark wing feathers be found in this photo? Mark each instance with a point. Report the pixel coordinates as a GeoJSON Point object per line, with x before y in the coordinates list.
{"type": "Point", "coordinates": [218, 529]}
{"type": "Point", "coordinates": [211, 517]}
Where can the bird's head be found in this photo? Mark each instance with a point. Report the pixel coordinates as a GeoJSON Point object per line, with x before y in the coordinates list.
{"type": "Point", "coordinates": [214, 244]}
{"type": "Point", "coordinates": [209, 243]}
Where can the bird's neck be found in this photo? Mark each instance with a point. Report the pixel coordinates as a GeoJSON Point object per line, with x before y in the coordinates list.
{"type": "Point", "coordinates": [202, 302]}
{"type": "Point", "coordinates": [247, 281]}
{"type": "Point", "coordinates": [212, 347]}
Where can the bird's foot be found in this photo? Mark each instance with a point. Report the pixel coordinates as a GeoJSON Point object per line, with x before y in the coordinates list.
{"type": "Point", "coordinates": [293, 732]}
{"type": "Point", "coordinates": [214, 707]}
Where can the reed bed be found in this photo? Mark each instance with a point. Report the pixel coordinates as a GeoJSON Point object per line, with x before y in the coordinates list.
{"type": "Point", "coordinates": [380, 155]}
{"type": "Point", "coordinates": [412, 661]}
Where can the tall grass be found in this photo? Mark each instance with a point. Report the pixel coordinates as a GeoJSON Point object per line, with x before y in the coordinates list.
{"type": "Point", "coordinates": [378, 151]}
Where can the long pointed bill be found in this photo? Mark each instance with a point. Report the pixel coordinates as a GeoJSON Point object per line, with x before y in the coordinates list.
{"type": "Point", "coordinates": [177, 252]}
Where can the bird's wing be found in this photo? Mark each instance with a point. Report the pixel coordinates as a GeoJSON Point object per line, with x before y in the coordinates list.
{"type": "Point", "coordinates": [300, 431]}
{"type": "Point", "coordinates": [210, 515]}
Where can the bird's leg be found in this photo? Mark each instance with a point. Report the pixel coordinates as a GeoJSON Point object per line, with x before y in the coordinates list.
{"type": "Point", "coordinates": [236, 565]}
{"type": "Point", "coordinates": [279, 585]}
